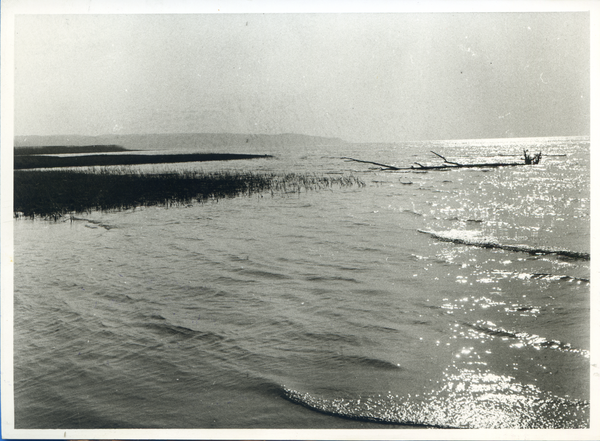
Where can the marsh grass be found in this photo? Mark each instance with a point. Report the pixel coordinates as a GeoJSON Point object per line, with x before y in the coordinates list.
{"type": "Point", "coordinates": [55, 193]}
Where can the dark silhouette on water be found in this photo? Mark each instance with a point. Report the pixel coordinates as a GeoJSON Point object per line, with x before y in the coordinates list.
{"type": "Point", "coordinates": [528, 160]}
{"type": "Point", "coordinates": [54, 193]}
{"type": "Point", "coordinates": [34, 161]}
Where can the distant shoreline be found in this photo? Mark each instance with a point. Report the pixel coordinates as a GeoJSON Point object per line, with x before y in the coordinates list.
{"type": "Point", "coordinates": [183, 141]}
{"type": "Point", "coordinates": [30, 161]}
{"type": "Point", "coordinates": [66, 149]}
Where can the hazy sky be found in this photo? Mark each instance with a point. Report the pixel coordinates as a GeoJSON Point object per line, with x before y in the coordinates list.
{"type": "Point", "coordinates": [360, 77]}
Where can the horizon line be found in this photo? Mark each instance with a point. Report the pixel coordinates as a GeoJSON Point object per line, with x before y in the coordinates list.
{"type": "Point", "coordinates": [302, 134]}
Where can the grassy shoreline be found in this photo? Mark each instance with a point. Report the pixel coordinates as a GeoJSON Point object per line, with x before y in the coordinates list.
{"type": "Point", "coordinates": [54, 193]}
{"type": "Point", "coordinates": [29, 161]}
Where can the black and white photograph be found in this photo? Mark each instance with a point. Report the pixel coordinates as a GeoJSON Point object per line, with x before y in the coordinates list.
{"type": "Point", "coordinates": [330, 221]}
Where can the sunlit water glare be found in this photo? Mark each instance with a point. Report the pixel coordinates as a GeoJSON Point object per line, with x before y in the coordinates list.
{"type": "Point", "coordinates": [452, 298]}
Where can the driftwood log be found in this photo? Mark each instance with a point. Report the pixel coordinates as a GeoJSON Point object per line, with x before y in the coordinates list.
{"type": "Point", "coordinates": [385, 166]}
{"type": "Point", "coordinates": [528, 159]}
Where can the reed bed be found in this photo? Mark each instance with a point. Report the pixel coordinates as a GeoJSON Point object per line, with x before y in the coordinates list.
{"type": "Point", "coordinates": [55, 193]}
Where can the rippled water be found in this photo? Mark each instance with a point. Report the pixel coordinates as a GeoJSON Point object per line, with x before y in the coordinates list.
{"type": "Point", "coordinates": [452, 298]}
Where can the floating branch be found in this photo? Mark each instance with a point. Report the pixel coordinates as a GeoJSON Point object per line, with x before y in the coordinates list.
{"type": "Point", "coordinates": [445, 160]}
{"type": "Point", "coordinates": [556, 155]}
{"type": "Point", "coordinates": [385, 166]}
{"type": "Point", "coordinates": [528, 160]}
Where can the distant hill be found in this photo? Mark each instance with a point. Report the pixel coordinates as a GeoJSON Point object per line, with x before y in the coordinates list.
{"type": "Point", "coordinates": [181, 141]}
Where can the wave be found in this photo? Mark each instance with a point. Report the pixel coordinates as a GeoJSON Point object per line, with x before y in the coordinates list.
{"type": "Point", "coordinates": [459, 219]}
{"type": "Point", "coordinates": [366, 410]}
{"type": "Point", "coordinates": [373, 363]}
{"type": "Point", "coordinates": [72, 218]}
{"type": "Point", "coordinates": [467, 237]}
{"type": "Point", "coordinates": [319, 337]}
{"type": "Point", "coordinates": [315, 278]}
{"type": "Point", "coordinates": [476, 407]}
{"type": "Point", "coordinates": [542, 276]}
{"type": "Point", "coordinates": [182, 331]}
{"type": "Point", "coordinates": [264, 274]}
{"type": "Point", "coordinates": [525, 339]}
{"type": "Point", "coordinates": [413, 212]}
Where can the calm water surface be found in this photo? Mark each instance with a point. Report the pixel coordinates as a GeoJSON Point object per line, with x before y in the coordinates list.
{"type": "Point", "coordinates": [446, 299]}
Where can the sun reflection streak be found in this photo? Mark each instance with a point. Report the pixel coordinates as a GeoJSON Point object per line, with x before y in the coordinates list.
{"type": "Point", "coordinates": [468, 398]}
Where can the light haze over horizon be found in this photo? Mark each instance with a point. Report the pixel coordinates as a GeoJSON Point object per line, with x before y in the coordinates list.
{"type": "Point", "coordinates": [360, 77]}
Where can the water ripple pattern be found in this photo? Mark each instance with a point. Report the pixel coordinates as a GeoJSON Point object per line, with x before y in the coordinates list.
{"type": "Point", "coordinates": [322, 309]}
